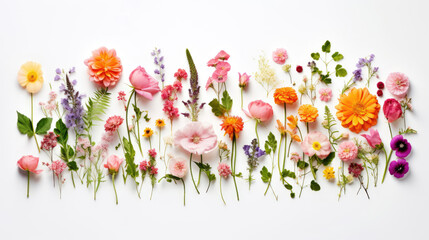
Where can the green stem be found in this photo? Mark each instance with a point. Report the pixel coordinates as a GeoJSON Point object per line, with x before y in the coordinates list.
{"type": "Point", "coordinates": [310, 160]}
{"type": "Point", "coordinates": [184, 192]}
{"type": "Point", "coordinates": [256, 131]}
{"type": "Point", "coordinates": [390, 129]}
{"type": "Point", "coordinates": [387, 162]}
{"type": "Point", "coordinates": [199, 172]}
{"type": "Point", "coordinates": [32, 124]}
{"type": "Point", "coordinates": [28, 184]}
{"type": "Point", "coordinates": [241, 98]}
{"type": "Point", "coordinates": [278, 155]}
{"type": "Point", "coordinates": [192, 174]}
{"type": "Point", "coordinates": [126, 115]}
{"type": "Point", "coordinates": [220, 187]}
{"type": "Point", "coordinates": [138, 127]}
{"type": "Point", "coordinates": [234, 144]}
{"type": "Point", "coordinates": [159, 142]}
{"type": "Point", "coordinates": [113, 181]}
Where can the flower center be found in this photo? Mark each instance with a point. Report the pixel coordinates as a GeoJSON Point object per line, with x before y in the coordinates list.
{"type": "Point", "coordinates": [399, 168]}
{"type": "Point", "coordinates": [196, 139]}
{"type": "Point", "coordinates": [316, 146]}
{"type": "Point", "coordinates": [359, 109]}
{"type": "Point", "coordinates": [32, 76]}
{"type": "Point", "coordinates": [401, 146]}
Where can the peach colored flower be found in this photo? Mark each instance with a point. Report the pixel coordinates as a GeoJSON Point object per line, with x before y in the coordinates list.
{"type": "Point", "coordinates": [224, 170]}
{"type": "Point", "coordinates": [316, 143]}
{"type": "Point", "coordinates": [113, 163]}
{"type": "Point", "coordinates": [113, 123]}
{"type": "Point", "coordinates": [285, 95]}
{"type": "Point", "coordinates": [280, 56]}
{"type": "Point", "coordinates": [144, 84]}
{"type": "Point", "coordinates": [347, 151]}
{"type": "Point", "coordinates": [178, 167]}
{"type": "Point", "coordinates": [196, 137]}
{"type": "Point", "coordinates": [30, 77]}
{"type": "Point", "coordinates": [259, 110]}
{"type": "Point", "coordinates": [397, 84]}
{"type": "Point", "coordinates": [29, 163]}
{"type": "Point", "coordinates": [104, 67]}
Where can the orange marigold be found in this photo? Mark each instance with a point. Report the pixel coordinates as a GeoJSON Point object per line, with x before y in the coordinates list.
{"type": "Point", "coordinates": [285, 95]}
{"type": "Point", "coordinates": [307, 113]}
{"type": "Point", "coordinates": [232, 125]}
{"type": "Point", "coordinates": [358, 110]}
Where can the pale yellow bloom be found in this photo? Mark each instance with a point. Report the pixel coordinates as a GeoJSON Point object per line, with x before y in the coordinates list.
{"type": "Point", "coordinates": [30, 77]}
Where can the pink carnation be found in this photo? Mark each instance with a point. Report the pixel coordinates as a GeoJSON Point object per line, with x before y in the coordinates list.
{"type": "Point", "coordinates": [177, 167]}
{"type": "Point", "coordinates": [347, 151]}
{"type": "Point", "coordinates": [325, 94]}
{"type": "Point", "coordinates": [224, 170]}
{"type": "Point", "coordinates": [113, 123]}
{"type": "Point", "coordinates": [316, 143]}
{"type": "Point", "coordinates": [280, 56]}
{"type": "Point", "coordinates": [397, 84]}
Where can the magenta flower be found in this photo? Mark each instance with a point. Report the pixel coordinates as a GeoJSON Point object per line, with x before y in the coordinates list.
{"type": "Point", "coordinates": [243, 80]}
{"type": "Point", "coordinates": [397, 84]}
{"type": "Point", "coordinates": [280, 56]}
{"type": "Point", "coordinates": [260, 111]}
{"type": "Point", "coordinates": [316, 143]}
{"type": "Point", "coordinates": [392, 109]}
{"type": "Point", "coordinates": [143, 83]}
{"type": "Point", "coordinates": [196, 137]}
{"type": "Point", "coordinates": [113, 163]}
{"type": "Point", "coordinates": [398, 168]}
{"type": "Point", "coordinates": [220, 75]}
{"type": "Point", "coordinates": [347, 151]}
{"type": "Point", "coordinates": [373, 138]}
{"type": "Point", "coordinates": [178, 167]}
{"type": "Point", "coordinates": [152, 152]}
{"type": "Point", "coordinates": [401, 146]}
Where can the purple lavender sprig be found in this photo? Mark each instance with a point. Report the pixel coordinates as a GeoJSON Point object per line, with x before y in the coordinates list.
{"type": "Point", "coordinates": [253, 153]}
{"type": "Point", "coordinates": [158, 60]}
{"type": "Point", "coordinates": [365, 62]}
{"type": "Point", "coordinates": [192, 104]}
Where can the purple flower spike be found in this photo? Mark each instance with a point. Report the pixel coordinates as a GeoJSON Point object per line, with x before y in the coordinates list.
{"type": "Point", "coordinates": [58, 71]}
{"type": "Point", "coordinates": [401, 146]}
{"type": "Point", "coordinates": [57, 77]}
{"type": "Point", "coordinates": [398, 168]}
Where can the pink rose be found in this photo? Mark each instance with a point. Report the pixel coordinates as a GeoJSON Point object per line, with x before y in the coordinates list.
{"type": "Point", "coordinates": [280, 56]}
{"type": "Point", "coordinates": [222, 55]}
{"type": "Point", "coordinates": [196, 137]}
{"type": "Point", "coordinates": [243, 80]}
{"type": "Point", "coordinates": [29, 163]}
{"type": "Point", "coordinates": [316, 143]}
{"type": "Point", "coordinates": [397, 84]}
{"type": "Point", "coordinates": [373, 138]}
{"type": "Point", "coordinates": [143, 83]}
{"type": "Point", "coordinates": [177, 167]}
{"type": "Point", "coordinates": [113, 163]}
{"type": "Point", "coordinates": [392, 109]}
{"type": "Point", "coordinates": [259, 110]}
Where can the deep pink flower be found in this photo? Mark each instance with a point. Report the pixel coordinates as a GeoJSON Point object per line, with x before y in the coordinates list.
{"type": "Point", "coordinates": [152, 152]}
{"type": "Point", "coordinates": [355, 169]}
{"type": "Point", "coordinates": [299, 69]}
{"type": "Point", "coordinates": [397, 84]}
{"type": "Point", "coordinates": [325, 94]}
{"type": "Point", "coordinates": [373, 138]}
{"type": "Point", "coordinates": [212, 62]}
{"type": "Point", "coordinates": [153, 171]}
{"type": "Point", "coordinates": [259, 110]}
{"type": "Point", "coordinates": [177, 85]}
{"type": "Point", "coordinates": [29, 163]}
{"type": "Point", "coordinates": [243, 80]}
{"type": "Point", "coordinates": [113, 123]}
{"type": "Point", "coordinates": [143, 83]}
{"type": "Point", "coordinates": [220, 76]}
{"type": "Point", "coordinates": [347, 151]}
{"type": "Point", "coordinates": [178, 167]}
{"type": "Point", "coordinates": [170, 110]}
{"type": "Point", "coordinates": [143, 165]}
{"type": "Point", "coordinates": [113, 163]}
{"type": "Point", "coordinates": [280, 56]}
{"type": "Point", "coordinates": [380, 93]}
{"type": "Point", "coordinates": [196, 137]}
{"type": "Point", "coordinates": [224, 170]}
{"type": "Point", "coordinates": [316, 143]}
{"type": "Point", "coordinates": [222, 55]}
{"type": "Point", "coordinates": [168, 93]}
{"type": "Point", "coordinates": [49, 141]}
{"type": "Point", "coordinates": [223, 66]}
{"type": "Point", "coordinates": [392, 109]}
{"type": "Point", "coordinates": [181, 74]}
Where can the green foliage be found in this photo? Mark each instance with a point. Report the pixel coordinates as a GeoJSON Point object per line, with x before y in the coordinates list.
{"type": "Point", "coordinates": [270, 144]}
{"type": "Point", "coordinates": [220, 109]}
{"type": "Point", "coordinates": [315, 56]}
{"type": "Point", "coordinates": [407, 131]}
{"type": "Point", "coordinates": [206, 169]}
{"type": "Point", "coordinates": [265, 175]}
{"type": "Point", "coordinates": [43, 126]}
{"type": "Point", "coordinates": [337, 56]}
{"type": "Point", "coordinates": [24, 125]}
{"type": "Point", "coordinates": [340, 71]}
{"type": "Point", "coordinates": [330, 123]}
{"type": "Point", "coordinates": [192, 68]}
{"type": "Point", "coordinates": [314, 186]}
{"type": "Point", "coordinates": [286, 173]}
{"type": "Point", "coordinates": [302, 165]}
{"type": "Point", "coordinates": [62, 131]}
{"type": "Point", "coordinates": [169, 178]}
{"type": "Point", "coordinates": [325, 78]}
{"type": "Point", "coordinates": [328, 159]}
{"type": "Point", "coordinates": [67, 152]}
{"type": "Point", "coordinates": [96, 107]}
{"type": "Point", "coordinates": [326, 48]}
{"type": "Point", "coordinates": [132, 169]}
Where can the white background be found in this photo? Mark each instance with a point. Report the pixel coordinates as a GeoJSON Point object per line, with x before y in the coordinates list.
{"type": "Point", "coordinates": [63, 34]}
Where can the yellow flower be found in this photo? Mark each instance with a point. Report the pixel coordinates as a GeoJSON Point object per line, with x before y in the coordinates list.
{"type": "Point", "coordinates": [30, 77]}
{"type": "Point", "coordinates": [147, 132]}
{"type": "Point", "coordinates": [329, 173]}
{"type": "Point", "coordinates": [160, 123]}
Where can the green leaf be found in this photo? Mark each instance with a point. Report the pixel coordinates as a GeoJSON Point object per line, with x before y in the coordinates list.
{"type": "Point", "coordinates": [315, 56]}
{"type": "Point", "coordinates": [192, 68]}
{"type": "Point", "coordinates": [407, 131]}
{"type": "Point", "coordinates": [286, 173]}
{"type": "Point", "coordinates": [288, 186]}
{"type": "Point", "coordinates": [138, 112]}
{"type": "Point", "coordinates": [265, 175]}
{"type": "Point", "coordinates": [217, 108]}
{"type": "Point", "coordinates": [337, 56]}
{"type": "Point", "coordinates": [72, 165]}
{"type": "Point", "coordinates": [96, 107]}
{"type": "Point", "coordinates": [271, 143]}
{"type": "Point", "coordinates": [62, 131]}
{"type": "Point", "coordinates": [325, 78]}
{"type": "Point", "coordinates": [328, 159]}
{"type": "Point", "coordinates": [132, 169]}
{"type": "Point", "coordinates": [24, 125]}
{"type": "Point", "coordinates": [43, 126]}
{"type": "Point", "coordinates": [302, 164]}
{"type": "Point", "coordinates": [292, 195]}
{"type": "Point", "coordinates": [226, 101]}
{"type": "Point", "coordinates": [326, 47]}
{"type": "Point", "coordinates": [314, 186]}
{"type": "Point", "coordinates": [340, 71]}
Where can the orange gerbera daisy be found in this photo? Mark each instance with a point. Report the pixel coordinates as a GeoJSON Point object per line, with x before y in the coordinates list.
{"type": "Point", "coordinates": [285, 95]}
{"type": "Point", "coordinates": [293, 121]}
{"type": "Point", "coordinates": [104, 67]}
{"type": "Point", "coordinates": [232, 125]}
{"type": "Point", "coordinates": [307, 113]}
{"type": "Point", "coordinates": [358, 110]}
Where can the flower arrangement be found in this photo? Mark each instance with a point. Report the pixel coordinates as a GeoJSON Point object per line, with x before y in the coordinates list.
{"type": "Point", "coordinates": [309, 133]}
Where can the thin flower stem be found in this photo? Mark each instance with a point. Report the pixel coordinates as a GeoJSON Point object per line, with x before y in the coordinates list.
{"type": "Point", "coordinates": [126, 115]}
{"type": "Point", "coordinates": [28, 184]}
{"type": "Point", "coordinates": [138, 127]}
{"type": "Point", "coordinates": [113, 181]}
{"type": "Point", "coordinates": [192, 175]}
{"type": "Point", "coordinates": [285, 150]}
{"type": "Point", "coordinates": [234, 150]}
{"type": "Point", "coordinates": [278, 156]}
{"type": "Point", "coordinates": [159, 141]}
{"type": "Point", "coordinates": [199, 171]}
{"type": "Point", "coordinates": [387, 163]}
{"type": "Point", "coordinates": [241, 98]}
{"type": "Point", "coordinates": [390, 129]}
{"type": "Point", "coordinates": [220, 187]}
{"type": "Point", "coordinates": [184, 192]}
{"type": "Point", "coordinates": [310, 160]}
{"type": "Point", "coordinates": [272, 170]}
{"type": "Point", "coordinates": [32, 124]}
{"type": "Point", "coordinates": [256, 131]}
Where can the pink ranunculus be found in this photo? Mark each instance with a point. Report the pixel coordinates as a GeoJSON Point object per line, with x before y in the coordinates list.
{"type": "Point", "coordinates": [29, 163]}
{"type": "Point", "coordinates": [347, 151]}
{"type": "Point", "coordinates": [325, 94]}
{"type": "Point", "coordinates": [392, 109]}
{"type": "Point", "coordinates": [143, 83]}
{"type": "Point", "coordinates": [196, 137]}
{"type": "Point", "coordinates": [223, 66]}
{"type": "Point", "coordinates": [373, 138]}
{"type": "Point", "coordinates": [113, 123]}
{"type": "Point", "coordinates": [316, 143]}
{"type": "Point", "coordinates": [222, 55]}
{"type": "Point", "coordinates": [259, 110]}
{"type": "Point", "coordinates": [280, 56]}
{"type": "Point", "coordinates": [212, 62]}
{"type": "Point", "coordinates": [243, 80]}
{"type": "Point", "coordinates": [178, 167]}
{"type": "Point", "coordinates": [113, 163]}
{"type": "Point", "coordinates": [220, 75]}
{"type": "Point", "coordinates": [397, 84]}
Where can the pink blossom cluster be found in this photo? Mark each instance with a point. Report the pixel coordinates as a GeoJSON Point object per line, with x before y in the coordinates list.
{"type": "Point", "coordinates": [219, 62]}
{"type": "Point", "coordinates": [49, 141]}
{"type": "Point", "coordinates": [57, 167]}
{"type": "Point", "coordinates": [51, 105]}
{"type": "Point", "coordinates": [169, 94]}
{"type": "Point", "coordinates": [122, 99]}
{"type": "Point", "coordinates": [147, 166]}
{"type": "Point", "coordinates": [224, 170]}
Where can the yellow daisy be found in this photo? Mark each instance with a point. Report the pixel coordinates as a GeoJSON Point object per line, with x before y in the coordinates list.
{"type": "Point", "coordinates": [30, 77]}
{"type": "Point", "coordinates": [329, 173]}
{"type": "Point", "coordinates": [160, 123]}
{"type": "Point", "coordinates": [147, 132]}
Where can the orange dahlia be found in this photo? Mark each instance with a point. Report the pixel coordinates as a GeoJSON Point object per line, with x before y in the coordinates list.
{"type": "Point", "coordinates": [104, 67]}
{"type": "Point", "coordinates": [358, 110]}
{"type": "Point", "coordinates": [285, 95]}
{"type": "Point", "coordinates": [307, 113]}
{"type": "Point", "coordinates": [232, 125]}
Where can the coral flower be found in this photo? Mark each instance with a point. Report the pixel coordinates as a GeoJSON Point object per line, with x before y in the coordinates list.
{"type": "Point", "coordinates": [373, 138]}
{"type": "Point", "coordinates": [113, 123]}
{"type": "Point", "coordinates": [177, 167]}
{"type": "Point", "coordinates": [392, 109]}
{"type": "Point", "coordinates": [144, 84]}
{"type": "Point", "coordinates": [285, 95]}
{"type": "Point", "coordinates": [181, 75]}
{"type": "Point", "coordinates": [160, 123]}
{"type": "Point", "coordinates": [397, 84]}
{"type": "Point", "coordinates": [347, 151]}
{"type": "Point", "coordinates": [259, 110]}
{"type": "Point", "coordinates": [358, 110]}
{"type": "Point", "coordinates": [30, 77]}
{"type": "Point", "coordinates": [29, 163]}
{"type": "Point", "coordinates": [113, 163]}
{"type": "Point", "coordinates": [104, 67]}
{"type": "Point", "coordinates": [280, 56]}
{"type": "Point", "coordinates": [147, 132]}
{"type": "Point", "coordinates": [232, 126]}
{"type": "Point", "coordinates": [307, 113]}
{"type": "Point", "coordinates": [281, 127]}
{"type": "Point", "coordinates": [196, 137]}
{"type": "Point", "coordinates": [316, 143]}
{"type": "Point", "coordinates": [325, 94]}
{"type": "Point", "coordinates": [222, 55]}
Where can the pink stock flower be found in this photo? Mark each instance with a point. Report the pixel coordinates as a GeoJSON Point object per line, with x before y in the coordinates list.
{"type": "Point", "coordinates": [222, 55]}
{"type": "Point", "coordinates": [196, 137]}
{"type": "Point", "coordinates": [212, 62]}
{"type": "Point", "coordinates": [168, 93]}
{"type": "Point", "coordinates": [325, 94]}
{"type": "Point", "coordinates": [144, 84]}
{"type": "Point", "coordinates": [223, 66]}
{"type": "Point", "coordinates": [347, 151]}
{"type": "Point", "coordinates": [316, 143]}
{"type": "Point", "coordinates": [113, 123]}
{"type": "Point", "coordinates": [373, 138]}
{"type": "Point", "coordinates": [397, 84]}
{"type": "Point", "coordinates": [224, 170]}
{"type": "Point", "coordinates": [392, 109]}
{"type": "Point", "coordinates": [280, 56]}
{"type": "Point", "coordinates": [121, 96]}
{"type": "Point", "coordinates": [58, 167]}
{"type": "Point", "coordinates": [152, 152]}
{"type": "Point", "coordinates": [178, 167]}
{"type": "Point", "coordinates": [29, 163]}
{"type": "Point", "coordinates": [259, 110]}
{"type": "Point", "coordinates": [220, 76]}
{"type": "Point", "coordinates": [170, 110]}
{"type": "Point", "coordinates": [113, 163]}
{"type": "Point", "coordinates": [177, 85]}
{"type": "Point", "coordinates": [243, 80]}
{"type": "Point", "coordinates": [104, 67]}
